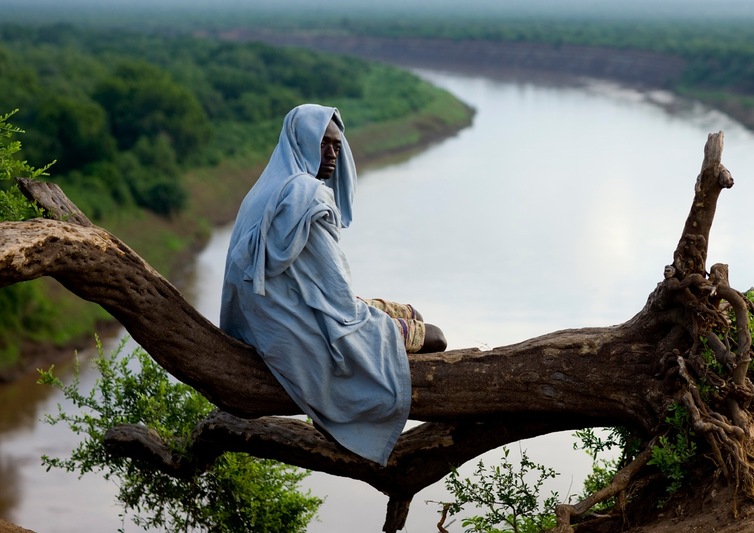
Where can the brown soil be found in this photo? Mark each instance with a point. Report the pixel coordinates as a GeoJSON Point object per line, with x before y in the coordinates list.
{"type": "Point", "coordinates": [713, 513]}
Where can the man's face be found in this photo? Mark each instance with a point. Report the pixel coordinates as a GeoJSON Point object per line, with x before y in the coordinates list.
{"type": "Point", "coordinates": [329, 150]}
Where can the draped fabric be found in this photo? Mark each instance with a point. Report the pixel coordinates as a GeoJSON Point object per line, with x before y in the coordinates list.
{"type": "Point", "coordinates": [287, 292]}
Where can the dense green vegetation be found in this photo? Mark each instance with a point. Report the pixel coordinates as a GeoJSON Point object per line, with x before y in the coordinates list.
{"type": "Point", "coordinates": [717, 41]}
{"type": "Point", "coordinates": [21, 306]}
{"type": "Point", "coordinates": [124, 113]}
{"type": "Point", "coordinates": [149, 133]}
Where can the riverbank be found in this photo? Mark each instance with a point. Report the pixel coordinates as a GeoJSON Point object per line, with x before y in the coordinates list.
{"type": "Point", "coordinates": [544, 62]}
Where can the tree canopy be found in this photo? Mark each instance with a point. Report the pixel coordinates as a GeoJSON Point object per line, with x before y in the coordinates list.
{"type": "Point", "coordinates": [123, 114]}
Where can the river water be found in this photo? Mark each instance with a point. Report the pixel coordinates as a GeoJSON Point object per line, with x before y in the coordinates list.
{"type": "Point", "coordinates": [557, 208]}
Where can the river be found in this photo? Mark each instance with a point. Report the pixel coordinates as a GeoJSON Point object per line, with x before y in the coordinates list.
{"type": "Point", "coordinates": [557, 208]}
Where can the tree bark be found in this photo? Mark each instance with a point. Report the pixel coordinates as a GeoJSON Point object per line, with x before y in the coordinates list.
{"type": "Point", "coordinates": [471, 401]}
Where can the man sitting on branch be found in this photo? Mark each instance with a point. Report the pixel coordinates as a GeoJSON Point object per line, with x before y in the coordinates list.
{"type": "Point", "coordinates": [287, 293]}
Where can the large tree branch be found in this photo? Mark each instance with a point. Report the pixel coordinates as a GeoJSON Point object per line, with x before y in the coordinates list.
{"type": "Point", "coordinates": [423, 455]}
{"type": "Point", "coordinates": [471, 401]}
{"type": "Point", "coordinates": [550, 375]}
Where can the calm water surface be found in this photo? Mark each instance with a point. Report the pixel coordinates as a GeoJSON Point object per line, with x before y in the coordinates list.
{"type": "Point", "coordinates": [558, 208]}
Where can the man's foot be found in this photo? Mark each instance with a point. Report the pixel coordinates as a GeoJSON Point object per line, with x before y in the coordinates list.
{"type": "Point", "coordinates": [434, 340]}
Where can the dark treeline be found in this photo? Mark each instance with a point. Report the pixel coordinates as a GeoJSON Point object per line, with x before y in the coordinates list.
{"type": "Point", "coordinates": [127, 116]}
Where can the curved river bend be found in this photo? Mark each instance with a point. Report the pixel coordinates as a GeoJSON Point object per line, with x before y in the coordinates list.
{"type": "Point", "coordinates": [557, 208]}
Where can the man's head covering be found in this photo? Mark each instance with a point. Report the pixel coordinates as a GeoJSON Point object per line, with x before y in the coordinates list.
{"type": "Point", "coordinates": [296, 157]}
{"type": "Point", "coordinates": [298, 151]}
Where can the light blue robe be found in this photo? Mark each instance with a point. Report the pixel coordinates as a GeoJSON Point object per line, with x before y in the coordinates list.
{"type": "Point", "coordinates": [287, 293]}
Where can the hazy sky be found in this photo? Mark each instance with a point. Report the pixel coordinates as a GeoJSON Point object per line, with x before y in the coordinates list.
{"type": "Point", "coordinates": [560, 8]}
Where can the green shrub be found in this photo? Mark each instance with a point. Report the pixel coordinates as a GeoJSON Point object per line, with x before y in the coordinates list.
{"type": "Point", "coordinates": [509, 501]}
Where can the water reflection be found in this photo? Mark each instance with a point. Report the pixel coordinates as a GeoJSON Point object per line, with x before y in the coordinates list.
{"type": "Point", "coordinates": [19, 403]}
{"type": "Point", "coordinates": [9, 488]}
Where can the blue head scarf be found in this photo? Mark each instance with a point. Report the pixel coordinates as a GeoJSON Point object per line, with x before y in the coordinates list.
{"type": "Point", "coordinates": [297, 153]}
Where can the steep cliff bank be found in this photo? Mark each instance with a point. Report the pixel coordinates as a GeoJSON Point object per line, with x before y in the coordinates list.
{"type": "Point", "coordinates": [553, 63]}
{"type": "Point", "coordinates": [491, 58]}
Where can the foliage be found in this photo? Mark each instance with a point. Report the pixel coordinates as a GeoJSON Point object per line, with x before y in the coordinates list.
{"type": "Point", "coordinates": [604, 470]}
{"type": "Point", "coordinates": [236, 493]}
{"type": "Point", "coordinates": [23, 310]}
{"type": "Point", "coordinates": [142, 100]}
{"type": "Point", "coordinates": [671, 454]}
{"type": "Point", "coordinates": [126, 114]}
{"type": "Point", "coordinates": [616, 438]}
{"type": "Point", "coordinates": [13, 205]}
{"type": "Point", "coordinates": [602, 475]}
{"type": "Point", "coordinates": [506, 496]}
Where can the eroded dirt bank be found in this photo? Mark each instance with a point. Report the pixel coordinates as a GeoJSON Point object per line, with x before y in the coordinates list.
{"type": "Point", "coordinates": [548, 63]}
{"type": "Point", "coordinates": [488, 58]}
